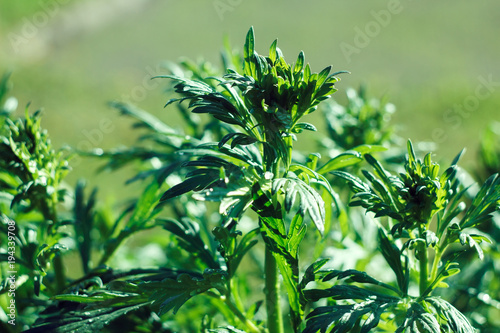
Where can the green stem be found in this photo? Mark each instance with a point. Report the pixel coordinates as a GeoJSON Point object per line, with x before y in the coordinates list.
{"type": "Point", "coordinates": [235, 294]}
{"type": "Point", "coordinates": [424, 264]}
{"type": "Point", "coordinates": [113, 245]}
{"type": "Point", "coordinates": [435, 264]}
{"type": "Point", "coordinates": [50, 214]}
{"type": "Point", "coordinates": [224, 303]}
{"type": "Point", "coordinates": [59, 273]}
{"type": "Point", "coordinates": [249, 324]}
{"type": "Point", "coordinates": [272, 290]}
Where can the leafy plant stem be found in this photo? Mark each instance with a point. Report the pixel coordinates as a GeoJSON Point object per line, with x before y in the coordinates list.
{"type": "Point", "coordinates": [225, 303]}
{"type": "Point", "coordinates": [60, 277]}
{"type": "Point", "coordinates": [424, 262]}
{"type": "Point", "coordinates": [435, 264]}
{"type": "Point", "coordinates": [51, 215]}
{"type": "Point", "coordinates": [272, 290]}
{"type": "Point", "coordinates": [112, 246]}
{"type": "Point", "coordinates": [248, 323]}
{"type": "Point", "coordinates": [234, 292]}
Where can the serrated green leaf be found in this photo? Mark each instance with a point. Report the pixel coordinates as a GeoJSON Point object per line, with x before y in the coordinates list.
{"type": "Point", "coordinates": [347, 292]}
{"type": "Point", "coordinates": [484, 204]}
{"type": "Point", "coordinates": [343, 318]}
{"type": "Point", "coordinates": [311, 204]}
{"type": "Point", "coordinates": [419, 321]}
{"type": "Point", "coordinates": [455, 320]}
{"type": "Point", "coordinates": [171, 294]}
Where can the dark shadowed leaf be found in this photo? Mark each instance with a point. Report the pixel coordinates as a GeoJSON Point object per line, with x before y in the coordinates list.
{"type": "Point", "coordinates": [84, 220]}
{"type": "Point", "coordinates": [90, 321]}
{"type": "Point", "coordinates": [188, 235]}
{"type": "Point", "coordinates": [172, 294]}
{"type": "Point", "coordinates": [484, 204]}
{"type": "Point", "coordinates": [393, 256]}
{"type": "Point", "coordinates": [343, 318]}
{"type": "Point", "coordinates": [455, 321]}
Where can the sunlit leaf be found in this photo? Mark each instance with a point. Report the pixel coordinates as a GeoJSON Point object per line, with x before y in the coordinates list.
{"type": "Point", "coordinates": [341, 161]}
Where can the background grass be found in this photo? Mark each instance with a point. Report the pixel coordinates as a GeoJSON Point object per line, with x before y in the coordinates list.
{"type": "Point", "coordinates": [77, 55]}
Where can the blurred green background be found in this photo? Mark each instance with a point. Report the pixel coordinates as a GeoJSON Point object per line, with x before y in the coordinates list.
{"type": "Point", "coordinates": [438, 62]}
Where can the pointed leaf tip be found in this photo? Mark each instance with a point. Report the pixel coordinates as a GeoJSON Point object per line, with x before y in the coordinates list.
{"type": "Point", "coordinates": [299, 65]}
{"type": "Point", "coordinates": [273, 55]}
{"type": "Point", "coordinates": [249, 43]}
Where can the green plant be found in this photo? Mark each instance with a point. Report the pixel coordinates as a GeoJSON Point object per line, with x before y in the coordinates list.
{"type": "Point", "coordinates": [476, 292]}
{"type": "Point", "coordinates": [423, 209]}
{"type": "Point", "coordinates": [245, 218]}
{"type": "Point", "coordinates": [362, 121]}
{"type": "Point", "coordinates": [489, 154]}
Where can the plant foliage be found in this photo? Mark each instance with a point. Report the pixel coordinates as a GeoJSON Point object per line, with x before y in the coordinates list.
{"type": "Point", "coordinates": [248, 227]}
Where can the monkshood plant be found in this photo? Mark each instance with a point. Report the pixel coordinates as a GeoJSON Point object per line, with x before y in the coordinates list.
{"type": "Point", "coordinates": [248, 218]}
